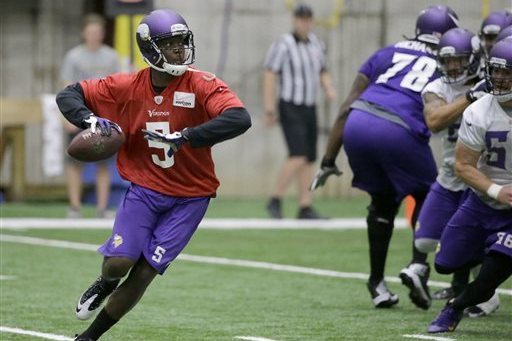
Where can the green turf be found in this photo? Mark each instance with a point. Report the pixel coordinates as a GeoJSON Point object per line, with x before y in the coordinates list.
{"type": "Point", "coordinates": [219, 207]}
{"type": "Point", "coordinates": [196, 301]}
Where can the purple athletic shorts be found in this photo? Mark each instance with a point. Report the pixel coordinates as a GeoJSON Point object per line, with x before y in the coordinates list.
{"type": "Point", "coordinates": [153, 225]}
{"type": "Point", "coordinates": [474, 229]}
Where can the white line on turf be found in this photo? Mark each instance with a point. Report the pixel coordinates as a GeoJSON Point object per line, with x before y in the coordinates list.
{"type": "Point", "coordinates": [33, 333]}
{"type": "Point", "coordinates": [6, 278]}
{"type": "Point", "coordinates": [253, 338]}
{"type": "Point", "coordinates": [427, 337]}
{"type": "Point", "coordinates": [218, 224]}
{"type": "Point", "coordinates": [221, 261]}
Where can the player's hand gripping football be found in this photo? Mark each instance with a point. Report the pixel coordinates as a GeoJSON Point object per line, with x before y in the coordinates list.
{"type": "Point", "coordinates": [174, 140]}
{"type": "Point", "coordinates": [327, 168]}
{"type": "Point", "coordinates": [477, 91]}
{"type": "Point", "coordinates": [102, 124]}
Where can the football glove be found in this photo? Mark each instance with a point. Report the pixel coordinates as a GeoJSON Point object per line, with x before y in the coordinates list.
{"type": "Point", "coordinates": [477, 91]}
{"type": "Point", "coordinates": [327, 168]}
{"type": "Point", "coordinates": [102, 124]}
{"type": "Point", "coordinates": [174, 140]}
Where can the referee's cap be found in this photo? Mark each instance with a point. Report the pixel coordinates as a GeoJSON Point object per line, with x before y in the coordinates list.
{"type": "Point", "coordinates": [303, 11]}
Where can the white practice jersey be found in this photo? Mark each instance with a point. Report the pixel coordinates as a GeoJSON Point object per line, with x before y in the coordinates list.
{"type": "Point", "coordinates": [487, 129]}
{"type": "Point", "coordinates": [448, 92]}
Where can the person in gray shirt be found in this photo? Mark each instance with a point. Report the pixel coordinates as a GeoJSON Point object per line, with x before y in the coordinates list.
{"type": "Point", "coordinates": [89, 60]}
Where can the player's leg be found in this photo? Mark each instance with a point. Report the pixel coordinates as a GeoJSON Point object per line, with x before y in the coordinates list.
{"type": "Point", "coordinates": [102, 188]}
{"type": "Point", "coordinates": [172, 233]}
{"type": "Point", "coordinates": [132, 231]}
{"type": "Point", "coordinates": [122, 300]}
{"type": "Point", "coordinates": [380, 222]}
{"type": "Point", "coordinates": [496, 268]}
{"type": "Point", "coordinates": [364, 135]}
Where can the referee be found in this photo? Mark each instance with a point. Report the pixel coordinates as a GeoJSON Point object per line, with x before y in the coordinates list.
{"type": "Point", "coordinates": [297, 59]}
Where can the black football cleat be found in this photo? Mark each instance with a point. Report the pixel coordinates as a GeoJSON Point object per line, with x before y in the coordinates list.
{"type": "Point", "coordinates": [415, 277]}
{"type": "Point", "coordinates": [381, 296]}
{"type": "Point", "coordinates": [93, 297]}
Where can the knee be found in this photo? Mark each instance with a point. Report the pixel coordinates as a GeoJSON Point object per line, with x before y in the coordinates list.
{"type": "Point", "coordinates": [116, 267]}
{"type": "Point", "coordinates": [383, 210]}
{"type": "Point", "coordinates": [426, 245]}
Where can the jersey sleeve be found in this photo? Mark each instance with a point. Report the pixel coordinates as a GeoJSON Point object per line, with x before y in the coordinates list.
{"type": "Point", "coordinates": [100, 96]}
{"type": "Point", "coordinates": [472, 131]}
{"type": "Point", "coordinates": [371, 67]}
{"type": "Point", "coordinates": [275, 56]}
{"type": "Point", "coordinates": [217, 97]}
{"type": "Point", "coordinates": [435, 87]}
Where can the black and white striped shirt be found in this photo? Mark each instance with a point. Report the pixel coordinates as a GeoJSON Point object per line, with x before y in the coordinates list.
{"type": "Point", "coordinates": [299, 65]}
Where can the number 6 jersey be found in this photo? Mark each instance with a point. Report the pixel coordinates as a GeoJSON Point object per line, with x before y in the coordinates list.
{"type": "Point", "coordinates": [189, 100]}
{"type": "Point", "coordinates": [486, 128]}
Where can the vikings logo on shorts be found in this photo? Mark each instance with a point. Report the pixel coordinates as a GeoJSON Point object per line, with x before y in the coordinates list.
{"type": "Point", "coordinates": [117, 240]}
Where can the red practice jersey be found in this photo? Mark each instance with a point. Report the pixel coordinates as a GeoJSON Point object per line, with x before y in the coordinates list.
{"type": "Point", "coordinates": [189, 100]}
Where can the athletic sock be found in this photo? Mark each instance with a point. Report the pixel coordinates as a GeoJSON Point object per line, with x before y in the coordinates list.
{"type": "Point", "coordinates": [379, 236]}
{"type": "Point", "coordinates": [460, 280]}
{"type": "Point", "coordinates": [99, 326]}
{"type": "Point", "coordinates": [496, 268]}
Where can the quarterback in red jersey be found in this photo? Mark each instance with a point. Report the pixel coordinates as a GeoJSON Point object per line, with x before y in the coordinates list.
{"type": "Point", "coordinates": [171, 115]}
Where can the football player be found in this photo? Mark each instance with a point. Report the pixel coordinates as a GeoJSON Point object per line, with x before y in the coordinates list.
{"type": "Point", "coordinates": [382, 126]}
{"type": "Point", "coordinates": [492, 26]}
{"type": "Point", "coordinates": [484, 220]}
{"type": "Point", "coordinates": [459, 60]}
{"type": "Point", "coordinates": [171, 114]}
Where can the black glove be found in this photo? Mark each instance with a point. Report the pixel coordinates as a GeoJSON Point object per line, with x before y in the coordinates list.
{"type": "Point", "coordinates": [477, 91]}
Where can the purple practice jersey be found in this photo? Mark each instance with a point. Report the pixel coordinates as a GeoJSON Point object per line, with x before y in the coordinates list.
{"type": "Point", "coordinates": [398, 73]}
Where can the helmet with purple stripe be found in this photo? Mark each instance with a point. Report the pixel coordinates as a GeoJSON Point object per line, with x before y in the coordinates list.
{"type": "Point", "coordinates": [498, 71]}
{"type": "Point", "coordinates": [458, 56]}
{"type": "Point", "coordinates": [492, 26]}
{"type": "Point", "coordinates": [433, 21]}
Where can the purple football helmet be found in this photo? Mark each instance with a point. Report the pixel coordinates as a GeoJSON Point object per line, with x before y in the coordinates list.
{"type": "Point", "coordinates": [458, 56]}
{"type": "Point", "coordinates": [156, 28]}
{"type": "Point", "coordinates": [498, 72]}
{"type": "Point", "coordinates": [492, 26]}
{"type": "Point", "coordinates": [433, 21]}
{"type": "Point", "coordinates": [504, 33]}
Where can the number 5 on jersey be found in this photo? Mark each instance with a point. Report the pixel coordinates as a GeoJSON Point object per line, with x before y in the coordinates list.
{"type": "Point", "coordinates": [164, 128]}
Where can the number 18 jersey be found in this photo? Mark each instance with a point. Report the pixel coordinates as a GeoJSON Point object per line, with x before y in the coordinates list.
{"type": "Point", "coordinates": [398, 73]}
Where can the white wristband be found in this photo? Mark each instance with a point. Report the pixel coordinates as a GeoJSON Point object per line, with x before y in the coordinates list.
{"type": "Point", "coordinates": [494, 190]}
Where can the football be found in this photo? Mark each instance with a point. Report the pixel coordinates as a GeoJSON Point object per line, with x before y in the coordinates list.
{"type": "Point", "coordinates": [89, 147]}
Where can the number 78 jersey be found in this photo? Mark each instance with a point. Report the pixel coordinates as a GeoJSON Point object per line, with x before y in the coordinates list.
{"type": "Point", "coordinates": [398, 73]}
{"type": "Point", "coordinates": [487, 129]}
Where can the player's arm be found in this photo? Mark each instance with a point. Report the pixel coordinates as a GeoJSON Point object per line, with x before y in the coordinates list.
{"type": "Point", "coordinates": [335, 140]}
{"type": "Point", "coordinates": [269, 96]}
{"type": "Point", "coordinates": [439, 114]}
{"type": "Point", "coordinates": [466, 160]}
{"type": "Point", "coordinates": [71, 102]}
{"type": "Point", "coordinates": [229, 124]}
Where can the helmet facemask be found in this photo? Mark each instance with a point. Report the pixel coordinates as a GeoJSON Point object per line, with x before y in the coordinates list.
{"type": "Point", "coordinates": [499, 79]}
{"type": "Point", "coordinates": [179, 41]}
{"type": "Point", "coordinates": [457, 69]}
